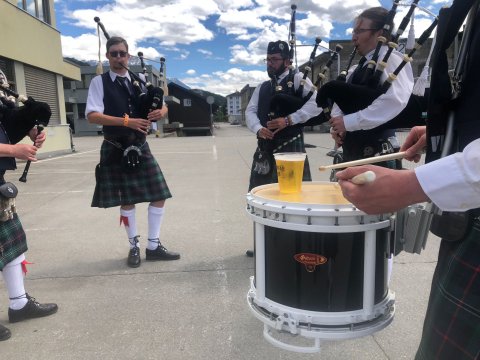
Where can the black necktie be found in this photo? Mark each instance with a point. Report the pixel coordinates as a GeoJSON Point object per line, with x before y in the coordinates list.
{"type": "Point", "coordinates": [357, 74]}
{"type": "Point", "coordinates": [125, 84]}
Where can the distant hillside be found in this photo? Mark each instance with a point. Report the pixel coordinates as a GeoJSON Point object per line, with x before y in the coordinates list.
{"type": "Point", "coordinates": [219, 100]}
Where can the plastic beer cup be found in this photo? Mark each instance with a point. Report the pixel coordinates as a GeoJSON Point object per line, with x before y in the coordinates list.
{"type": "Point", "coordinates": [290, 171]}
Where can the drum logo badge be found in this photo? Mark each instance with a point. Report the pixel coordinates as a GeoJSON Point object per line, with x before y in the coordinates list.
{"type": "Point", "coordinates": [311, 261]}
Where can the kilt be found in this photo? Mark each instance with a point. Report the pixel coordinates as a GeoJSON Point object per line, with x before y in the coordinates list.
{"type": "Point", "coordinates": [452, 325]}
{"type": "Point", "coordinates": [13, 241]}
{"type": "Point", "coordinates": [278, 146]}
{"type": "Point", "coordinates": [115, 187]}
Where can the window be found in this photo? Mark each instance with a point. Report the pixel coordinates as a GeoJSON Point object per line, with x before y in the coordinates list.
{"type": "Point", "coordinates": [187, 102]}
{"type": "Point", "coordinates": [37, 8]}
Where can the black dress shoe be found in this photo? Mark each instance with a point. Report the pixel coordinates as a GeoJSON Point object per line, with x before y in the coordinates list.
{"type": "Point", "coordinates": [134, 257]}
{"type": "Point", "coordinates": [31, 310]}
{"type": "Point", "coordinates": [249, 253]}
{"type": "Point", "coordinates": [4, 333]}
{"type": "Point", "coordinates": [161, 253]}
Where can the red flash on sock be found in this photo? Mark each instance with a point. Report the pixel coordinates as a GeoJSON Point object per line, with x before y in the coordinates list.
{"type": "Point", "coordinates": [124, 220]}
{"type": "Point", "coordinates": [24, 266]}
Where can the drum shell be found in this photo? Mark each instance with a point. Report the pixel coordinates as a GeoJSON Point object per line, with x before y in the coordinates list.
{"type": "Point", "coordinates": [334, 286]}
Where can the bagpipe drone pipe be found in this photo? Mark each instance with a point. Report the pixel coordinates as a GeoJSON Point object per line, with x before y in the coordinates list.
{"type": "Point", "coordinates": [147, 96]}
{"type": "Point", "coordinates": [351, 98]}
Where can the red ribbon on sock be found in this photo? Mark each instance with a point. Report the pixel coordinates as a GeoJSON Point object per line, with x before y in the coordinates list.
{"type": "Point", "coordinates": [24, 266]}
{"type": "Point", "coordinates": [124, 220]}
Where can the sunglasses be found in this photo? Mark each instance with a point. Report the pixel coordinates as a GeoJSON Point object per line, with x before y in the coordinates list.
{"type": "Point", "coordinates": [116, 53]}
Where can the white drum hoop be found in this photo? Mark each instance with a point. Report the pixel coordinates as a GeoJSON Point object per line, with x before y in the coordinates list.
{"type": "Point", "coordinates": [327, 218]}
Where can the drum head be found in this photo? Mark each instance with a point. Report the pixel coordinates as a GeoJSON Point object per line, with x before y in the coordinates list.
{"type": "Point", "coordinates": [319, 193]}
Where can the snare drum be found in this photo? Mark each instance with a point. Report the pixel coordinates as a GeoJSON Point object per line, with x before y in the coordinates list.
{"type": "Point", "coordinates": [321, 265]}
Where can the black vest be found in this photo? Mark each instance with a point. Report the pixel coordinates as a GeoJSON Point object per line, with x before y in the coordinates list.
{"type": "Point", "coordinates": [263, 109]}
{"type": "Point", "coordinates": [117, 102]}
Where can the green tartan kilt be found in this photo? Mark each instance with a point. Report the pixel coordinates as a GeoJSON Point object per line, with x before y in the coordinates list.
{"type": "Point", "coordinates": [452, 324]}
{"type": "Point", "coordinates": [13, 241]}
{"type": "Point", "coordinates": [283, 145]}
{"type": "Point", "coordinates": [115, 187]}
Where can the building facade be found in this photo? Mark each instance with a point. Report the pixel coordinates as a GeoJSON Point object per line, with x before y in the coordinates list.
{"type": "Point", "coordinates": [234, 108]}
{"type": "Point", "coordinates": [36, 67]}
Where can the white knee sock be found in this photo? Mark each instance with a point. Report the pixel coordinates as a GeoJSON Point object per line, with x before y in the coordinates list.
{"type": "Point", "coordinates": [13, 277]}
{"type": "Point", "coordinates": [155, 217]}
{"type": "Point", "coordinates": [127, 217]}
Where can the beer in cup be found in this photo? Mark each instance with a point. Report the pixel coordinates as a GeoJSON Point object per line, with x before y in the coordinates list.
{"type": "Point", "coordinates": [290, 171]}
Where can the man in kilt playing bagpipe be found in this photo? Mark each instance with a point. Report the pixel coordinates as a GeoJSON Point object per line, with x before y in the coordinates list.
{"type": "Point", "coordinates": [128, 173]}
{"type": "Point", "coordinates": [450, 179]}
{"type": "Point", "coordinates": [278, 133]}
{"type": "Point", "coordinates": [13, 242]}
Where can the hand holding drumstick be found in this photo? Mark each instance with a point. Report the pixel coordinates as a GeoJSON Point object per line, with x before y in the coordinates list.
{"type": "Point", "coordinates": [391, 190]}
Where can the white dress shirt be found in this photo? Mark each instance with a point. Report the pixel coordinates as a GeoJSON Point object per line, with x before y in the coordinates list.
{"type": "Point", "coordinates": [306, 112]}
{"type": "Point", "coordinates": [387, 105]}
{"type": "Point", "coordinates": [453, 182]}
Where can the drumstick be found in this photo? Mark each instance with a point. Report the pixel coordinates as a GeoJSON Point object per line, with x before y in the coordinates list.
{"type": "Point", "coordinates": [363, 178]}
{"type": "Point", "coordinates": [375, 159]}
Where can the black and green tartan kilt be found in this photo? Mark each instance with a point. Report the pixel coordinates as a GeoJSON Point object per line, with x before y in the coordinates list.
{"type": "Point", "coordinates": [13, 241]}
{"type": "Point", "coordinates": [452, 324]}
{"type": "Point", "coordinates": [116, 187]}
{"type": "Point", "coordinates": [279, 146]}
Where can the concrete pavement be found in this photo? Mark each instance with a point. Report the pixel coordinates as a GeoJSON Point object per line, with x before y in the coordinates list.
{"type": "Point", "coordinates": [194, 308]}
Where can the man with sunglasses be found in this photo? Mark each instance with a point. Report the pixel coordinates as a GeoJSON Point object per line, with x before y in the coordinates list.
{"type": "Point", "coordinates": [128, 173]}
{"type": "Point", "coordinates": [281, 134]}
{"type": "Point", "coordinates": [356, 132]}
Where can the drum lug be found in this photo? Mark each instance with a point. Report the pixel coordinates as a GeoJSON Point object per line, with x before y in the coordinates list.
{"type": "Point", "coordinates": [392, 224]}
{"type": "Point", "coordinates": [286, 322]}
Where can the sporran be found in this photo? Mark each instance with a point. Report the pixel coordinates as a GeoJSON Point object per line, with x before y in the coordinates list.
{"type": "Point", "coordinates": [8, 193]}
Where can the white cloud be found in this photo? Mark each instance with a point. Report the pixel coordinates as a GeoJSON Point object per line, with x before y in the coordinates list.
{"type": "Point", "coordinates": [226, 82]}
{"type": "Point", "coordinates": [176, 28]}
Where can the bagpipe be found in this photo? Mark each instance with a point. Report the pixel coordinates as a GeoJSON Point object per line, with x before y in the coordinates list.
{"type": "Point", "coordinates": [17, 121]}
{"type": "Point", "coordinates": [147, 96]}
{"type": "Point", "coordinates": [351, 98]}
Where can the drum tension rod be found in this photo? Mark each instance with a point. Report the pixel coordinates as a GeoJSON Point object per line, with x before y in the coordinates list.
{"type": "Point", "coordinates": [309, 222]}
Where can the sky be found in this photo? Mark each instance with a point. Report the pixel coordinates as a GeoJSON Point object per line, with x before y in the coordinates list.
{"type": "Point", "coordinates": [216, 45]}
